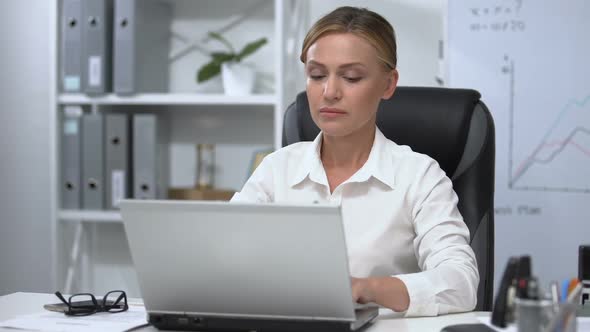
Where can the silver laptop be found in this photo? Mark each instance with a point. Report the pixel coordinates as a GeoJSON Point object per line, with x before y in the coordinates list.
{"type": "Point", "coordinates": [231, 266]}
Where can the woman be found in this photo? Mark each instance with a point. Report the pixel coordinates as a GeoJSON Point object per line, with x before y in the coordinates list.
{"type": "Point", "coordinates": [408, 245]}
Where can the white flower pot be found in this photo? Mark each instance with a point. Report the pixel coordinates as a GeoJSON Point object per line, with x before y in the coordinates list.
{"type": "Point", "coordinates": [238, 78]}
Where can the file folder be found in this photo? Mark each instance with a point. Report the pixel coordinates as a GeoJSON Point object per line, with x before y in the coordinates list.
{"type": "Point", "coordinates": [118, 159]}
{"type": "Point", "coordinates": [71, 45]}
{"type": "Point", "coordinates": [150, 156]}
{"type": "Point", "coordinates": [141, 46]}
{"type": "Point", "coordinates": [70, 130]}
{"type": "Point", "coordinates": [97, 45]}
{"type": "Point", "coordinates": [93, 189]}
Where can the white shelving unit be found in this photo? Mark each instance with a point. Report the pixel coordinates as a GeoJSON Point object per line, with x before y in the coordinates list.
{"type": "Point", "coordinates": [90, 216]}
{"type": "Point", "coordinates": [71, 249]}
{"type": "Point", "coordinates": [169, 99]}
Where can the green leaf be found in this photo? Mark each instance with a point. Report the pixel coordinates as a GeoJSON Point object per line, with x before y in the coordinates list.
{"type": "Point", "coordinates": [219, 37]}
{"type": "Point", "coordinates": [216, 35]}
{"type": "Point", "coordinates": [251, 48]}
{"type": "Point", "coordinates": [208, 71]}
{"type": "Point", "coordinates": [221, 57]}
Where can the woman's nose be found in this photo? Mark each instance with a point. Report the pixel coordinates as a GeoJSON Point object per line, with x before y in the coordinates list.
{"type": "Point", "coordinates": [331, 89]}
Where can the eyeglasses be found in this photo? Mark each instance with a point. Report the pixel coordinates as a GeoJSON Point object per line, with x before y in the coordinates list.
{"type": "Point", "coordinates": [85, 304]}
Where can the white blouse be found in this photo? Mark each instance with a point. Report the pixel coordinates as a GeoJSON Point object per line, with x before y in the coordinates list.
{"type": "Point", "coordinates": [400, 218]}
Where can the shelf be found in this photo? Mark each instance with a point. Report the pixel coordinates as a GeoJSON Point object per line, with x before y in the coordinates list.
{"type": "Point", "coordinates": [192, 115]}
{"type": "Point", "coordinates": [168, 99]}
{"type": "Point", "coordinates": [90, 216]}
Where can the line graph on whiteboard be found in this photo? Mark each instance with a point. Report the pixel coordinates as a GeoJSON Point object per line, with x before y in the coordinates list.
{"type": "Point", "coordinates": [560, 159]}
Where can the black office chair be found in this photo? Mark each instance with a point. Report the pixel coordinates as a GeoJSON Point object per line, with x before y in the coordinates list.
{"type": "Point", "coordinates": [454, 127]}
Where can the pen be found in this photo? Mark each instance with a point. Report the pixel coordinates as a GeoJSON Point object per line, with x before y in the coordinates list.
{"type": "Point", "coordinates": [554, 287]}
{"type": "Point", "coordinates": [564, 287]}
{"type": "Point", "coordinates": [572, 285]}
{"type": "Point", "coordinates": [573, 296]}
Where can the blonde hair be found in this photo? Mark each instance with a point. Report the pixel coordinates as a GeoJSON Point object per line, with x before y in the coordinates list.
{"type": "Point", "coordinates": [359, 21]}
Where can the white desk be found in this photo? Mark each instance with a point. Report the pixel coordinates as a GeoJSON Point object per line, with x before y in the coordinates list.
{"type": "Point", "coordinates": [27, 303]}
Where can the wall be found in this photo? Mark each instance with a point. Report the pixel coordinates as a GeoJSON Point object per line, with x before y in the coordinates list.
{"type": "Point", "coordinates": [418, 25]}
{"type": "Point", "coordinates": [25, 129]}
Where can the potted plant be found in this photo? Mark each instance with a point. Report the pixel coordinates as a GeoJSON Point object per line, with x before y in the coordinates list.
{"type": "Point", "coordinates": [238, 77]}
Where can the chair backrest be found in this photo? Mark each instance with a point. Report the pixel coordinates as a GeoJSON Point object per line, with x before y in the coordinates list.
{"type": "Point", "coordinates": [454, 127]}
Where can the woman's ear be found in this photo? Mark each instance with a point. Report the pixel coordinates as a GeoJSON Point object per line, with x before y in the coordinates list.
{"type": "Point", "coordinates": [391, 78]}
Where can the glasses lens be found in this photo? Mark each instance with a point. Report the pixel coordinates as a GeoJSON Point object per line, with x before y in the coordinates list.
{"type": "Point", "coordinates": [82, 304]}
{"type": "Point", "coordinates": [115, 301]}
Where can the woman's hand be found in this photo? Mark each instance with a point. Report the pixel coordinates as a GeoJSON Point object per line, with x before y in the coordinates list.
{"type": "Point", "coordinates": [362, 290]}
{"type": "Point", "coordinates": [389, 292]}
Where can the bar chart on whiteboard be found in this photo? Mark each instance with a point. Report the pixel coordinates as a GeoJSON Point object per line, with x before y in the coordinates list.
{"type": "Point", "coordinates": [529, 60]}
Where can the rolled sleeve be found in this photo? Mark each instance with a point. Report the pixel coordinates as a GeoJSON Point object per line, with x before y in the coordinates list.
{"type": "Point", "coordinates": [422, 297]}
{"type": "Point", "coordinates": [445, 289]}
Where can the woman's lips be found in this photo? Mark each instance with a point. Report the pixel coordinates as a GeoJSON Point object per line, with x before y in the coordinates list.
{"type": "Point", "coordinates": [330, 112]}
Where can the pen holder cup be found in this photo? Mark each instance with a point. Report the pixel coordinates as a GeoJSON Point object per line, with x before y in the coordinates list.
{"type": "Point", "coordinates": [533, 315]}
{"type": "Point", "coordinates": [565, 319]}
{"type": "Point", "coordinates": [541, 315]}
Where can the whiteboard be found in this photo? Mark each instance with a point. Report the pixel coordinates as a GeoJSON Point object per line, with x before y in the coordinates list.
{"type": "Point", "coordinates": [530, 60]}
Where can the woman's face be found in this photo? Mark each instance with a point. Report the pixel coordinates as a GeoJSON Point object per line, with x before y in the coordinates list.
{"type": "Point", "coordinates": [345, 82]}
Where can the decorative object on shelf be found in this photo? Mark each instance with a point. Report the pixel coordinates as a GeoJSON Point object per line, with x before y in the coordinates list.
{"type": "Point", "coordinates": [205, 166]}
{"type": "Point", "coordinates": [200, 194]}
{"type": "Point", "coordinates": [203, 189]}
{"type": "Point", "coordinates": [238, 78]}
{"type": "Point", "coordinates": [257, 159]}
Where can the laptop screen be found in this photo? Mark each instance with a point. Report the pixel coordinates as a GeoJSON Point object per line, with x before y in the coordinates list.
{"type": "Point", "coordinates": [240, 260]}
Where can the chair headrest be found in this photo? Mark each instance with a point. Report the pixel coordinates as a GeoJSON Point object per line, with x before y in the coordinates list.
{"type": "Point", "coordinates": [433, 121]}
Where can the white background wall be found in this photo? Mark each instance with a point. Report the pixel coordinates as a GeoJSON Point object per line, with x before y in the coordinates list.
{"type": "Point", "coordinates": [418, 25]}
{"type": "Point", "coordinates": [25, 90]}
{"type": "Point", "coordinates": [25, 128]}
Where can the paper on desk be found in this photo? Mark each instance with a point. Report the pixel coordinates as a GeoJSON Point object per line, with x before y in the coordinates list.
{"type": "Point", "coordinates": [583, 325]}
{"type": "Point", "coordinates": [58, 322]}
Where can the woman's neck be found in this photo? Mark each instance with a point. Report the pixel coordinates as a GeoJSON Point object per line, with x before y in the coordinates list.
{"type": "Point", "coordinates": [347, 152]}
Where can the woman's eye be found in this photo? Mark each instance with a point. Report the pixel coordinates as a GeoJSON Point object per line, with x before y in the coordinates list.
{"type": "Point", "coordinates": [352, 79]}
{"type": "Point", "coordinates": [316, 77]}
